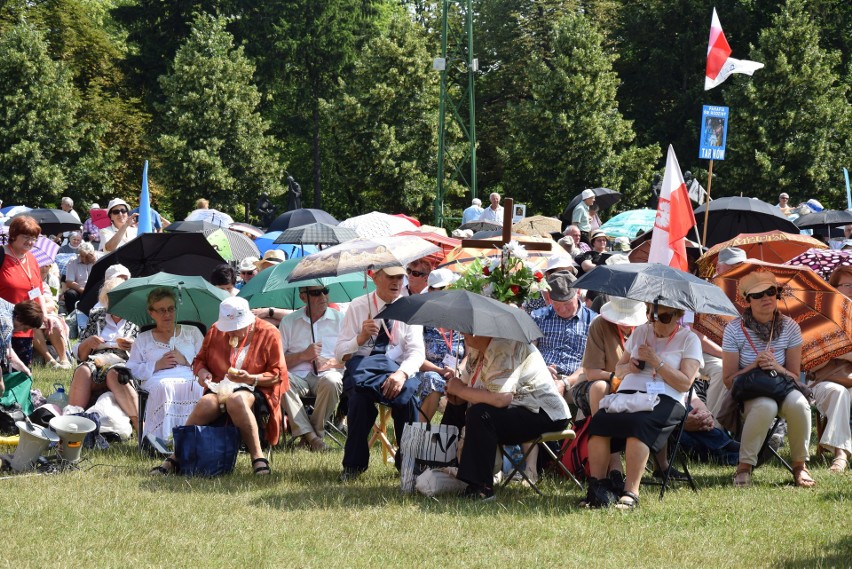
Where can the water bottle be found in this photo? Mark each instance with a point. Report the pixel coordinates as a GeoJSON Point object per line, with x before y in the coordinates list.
{"type": "Point", "coordinates": [58, 397]}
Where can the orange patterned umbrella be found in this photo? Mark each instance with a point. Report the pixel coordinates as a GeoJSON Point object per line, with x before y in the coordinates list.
{"type": "Point", "coordinates": [772, 247]}
{"type": "Point", "coordinates": [823, 313]}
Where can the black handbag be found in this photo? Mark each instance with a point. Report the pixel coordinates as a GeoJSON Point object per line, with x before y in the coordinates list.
{"type": "Point", "coordinates": [760, 383]}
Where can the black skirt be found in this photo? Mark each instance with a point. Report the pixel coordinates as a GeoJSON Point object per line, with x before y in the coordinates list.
{"type": "Point", "coordinates": [651, 427]}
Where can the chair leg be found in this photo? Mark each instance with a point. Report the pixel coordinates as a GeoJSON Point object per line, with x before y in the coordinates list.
{"type": "Point", "coordinates": [517, 467]}
{"type": "Point", "coordinates": [557, 458]}
{"type": "Point", "coordinates": [380, 433]}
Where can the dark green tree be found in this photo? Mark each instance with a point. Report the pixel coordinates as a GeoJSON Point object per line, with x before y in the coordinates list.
{"type": "Point", "coordinates": [563, 131]}
{"type": "Point", "coordinates": [38, 134]}
{"type": "Point", "coordinates": [213, 142]}
{"type": "Point", "coordinates": [380, 129]}
{"type": "Point", "coordinates": [790, 123]}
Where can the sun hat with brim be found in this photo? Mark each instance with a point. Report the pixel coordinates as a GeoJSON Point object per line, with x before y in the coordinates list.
{"type": "Point", "coordinates": [587, 194]}
{"type": "Point", "coordinates": [598, 233]}
{"type": "Point", "coordinates": [439, 278]}
{"type": "Point", "coordinates": [392, 271]}
{"type": "Point", "coordinates": [558, 261]}
{"type": "Point", "coordinates": [731, 256]}
{"type": "Point", "coordinates": [621, 244]}
{"type": "Point", "coordinates": [116, 271]}
{"type": "Point", "coordinates": [117, 201]}
{"type": "Point", "coordinates": [271, 257]}
{"type": "Point", "coordinates": [624, 311]}
{"type": "Point", "coordinates": [234, 314]}
{"type": "Point", "coordinates": [757, 281]}
{"type": "Point", "coordinates": [248, 264]}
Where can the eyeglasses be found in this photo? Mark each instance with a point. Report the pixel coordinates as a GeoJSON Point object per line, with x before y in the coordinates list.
{"type": "Point", "coordinates": [771, 291]}
{"type": "Point", "coordinates": [163, 311]}
{"type": "Point", "coordinates": [413, 273]}
{"type": "Point", "coordinates": [843, 285]}
{"type": "Point", "coordinates": [117, 211]}
{"type": "Point", "coordinates": [30, 238]}
{"type": "Point", "coordinates": [663, 317]}
{"type": "Point", "coordinates": [315, 293]}
{"type": "Point", "coordinates": [247, 272]}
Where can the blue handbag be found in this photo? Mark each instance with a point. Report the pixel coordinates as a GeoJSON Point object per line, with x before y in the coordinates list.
{"type": "Point", "coordinates": [368, 373]}
{"type": "Point", "coordinates": [206, 450]}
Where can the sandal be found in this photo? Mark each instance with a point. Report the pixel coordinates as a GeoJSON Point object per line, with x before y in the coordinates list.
{"type": "Point", "coordinates": [628, 501]}
{"type": "Point", "coordinates": [802, 477]}
{"type": "Point", "coordinates": [162, 470]}
{"type": "Point", "coordinates": [742, 478]}
{"type": "Point", "coordinates": [838, 464]}
{"type": "Point", "coordinates": [261, 467]}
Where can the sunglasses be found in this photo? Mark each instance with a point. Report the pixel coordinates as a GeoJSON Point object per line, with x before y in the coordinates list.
{"type": "Point", "coordinates": [315, 293]}
{"type": "Point", "coordinates": [663, 317]}
{"type": "Point", "coordinates": [163, 311]}
{"type": "Point", "coordinates": [117, 211]}
{"type": "Point", "coordinates": [246, 272]}
{"type": "Point", "coordinates": [771, 291]}
{"type": "Point", "coordinates": [413, 273]}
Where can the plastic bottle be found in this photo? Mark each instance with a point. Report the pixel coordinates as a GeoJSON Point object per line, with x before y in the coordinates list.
{"type": "Point", "coordinates": [58, 397]}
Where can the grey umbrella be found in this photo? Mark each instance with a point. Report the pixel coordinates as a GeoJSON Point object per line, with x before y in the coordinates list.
{"type": "Point", "coordinates": [466, 312]}
{"type": "Point", "coordinates": [316, 234]}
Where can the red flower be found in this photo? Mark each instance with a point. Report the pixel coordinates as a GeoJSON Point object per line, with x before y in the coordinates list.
{"type": "Point", "coordinates": [516, 290]}
{"type": "Point", "coordinates": [538, 276]}
{"type": "Point", "coordinates": [486, 271]}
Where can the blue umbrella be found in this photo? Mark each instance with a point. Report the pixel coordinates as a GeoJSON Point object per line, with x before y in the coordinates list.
{"type": "Point", "coordinates": [267, 241]}
{"type": "Point", "coordinates": [629, 223]}
{"type": "Point", "coordinates": [8, 210]}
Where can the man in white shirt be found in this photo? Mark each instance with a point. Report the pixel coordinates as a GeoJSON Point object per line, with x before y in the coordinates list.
{"type": "Point", "coordinates": [362, 335]}
{"type": "Point", "coordinates": [308, 336]}
{"type": "Point", "coordinates": [473, 212]}
{"type": "Point", "coordinates": [67, 205]}
{"type": "Point", "coordinates": [494, 213]}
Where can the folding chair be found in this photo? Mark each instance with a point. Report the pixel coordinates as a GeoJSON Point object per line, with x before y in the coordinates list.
{"type": "Point", "coordinates": [675, 451]}
{"type": "Point", "coordinates": [564, 435]}
{"type": "Point", "coordinates": [331, 429]}
{"type": "Point", "coordinates": [380, 433]}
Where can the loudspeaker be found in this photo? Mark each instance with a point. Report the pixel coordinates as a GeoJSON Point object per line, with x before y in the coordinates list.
{"type": "Point", "coordinates": [33, 441]}
{"type": "Point", "coordinates": [71, 430]}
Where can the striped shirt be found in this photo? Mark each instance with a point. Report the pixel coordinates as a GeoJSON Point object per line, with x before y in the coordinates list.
{"type": "Point", "coordinates": [734, 340]}
{"type": "Point", "coordinates": [564, 340]}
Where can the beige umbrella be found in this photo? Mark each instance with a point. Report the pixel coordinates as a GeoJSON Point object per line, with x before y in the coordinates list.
{"type": "Point", "coordinates": [538, 226]}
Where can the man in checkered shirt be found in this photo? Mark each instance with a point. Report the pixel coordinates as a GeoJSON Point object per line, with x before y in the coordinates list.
{"type": "Point", "coordinates": [565, 324]}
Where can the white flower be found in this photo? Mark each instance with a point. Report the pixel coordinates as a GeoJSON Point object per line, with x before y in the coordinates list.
{"type": "Point", "coordinates": [495, 263]}
{"type": "Point", "coordinates": [488, 290]}
{"type": "Point", "coordinates": [515, 249]}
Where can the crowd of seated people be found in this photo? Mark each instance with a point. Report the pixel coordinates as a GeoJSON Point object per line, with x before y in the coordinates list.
{"type": "Point", "coordinates": [626, 367]}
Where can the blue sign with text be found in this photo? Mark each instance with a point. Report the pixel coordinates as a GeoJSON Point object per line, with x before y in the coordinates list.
{"type": "Point", "coordinates": [714, 133]}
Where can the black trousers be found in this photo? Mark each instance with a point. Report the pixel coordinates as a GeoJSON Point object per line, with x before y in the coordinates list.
{"type": "Point", "coordinates": [360, 418]}
{"type": "Point", "coordinates": [486, 427]}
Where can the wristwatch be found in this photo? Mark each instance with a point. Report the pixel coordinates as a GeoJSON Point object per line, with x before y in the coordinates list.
{"type": "Point", "coordinates": [256, 379]}
{"type": "Point", "coordinates": [662, 363]}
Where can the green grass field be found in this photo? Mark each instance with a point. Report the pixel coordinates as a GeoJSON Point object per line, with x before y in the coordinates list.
{"type": "Point", "coordinates": [110, 513]}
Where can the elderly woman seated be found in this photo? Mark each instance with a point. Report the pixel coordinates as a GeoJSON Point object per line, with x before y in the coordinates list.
{"type": "Point", "coordinates": [512, 399]}
{"type": "Point", "coordinates": [764, 339]}
{"type": "Point", "coordinates": [246, 351]}
{"type": "Point", "coordinates": [102, 352]}
{"type": "Point", "coordinates": [161, 360]}
{"type": "Point", "coordinates": [659, 364]}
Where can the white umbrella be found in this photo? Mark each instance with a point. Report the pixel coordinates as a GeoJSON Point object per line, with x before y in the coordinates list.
{"type": "Point", "coordinates": [377, 224]}
{"type": "Point", "coordinates": [213, 216]}
{"type": "Point", "coordinates": [362, 255]}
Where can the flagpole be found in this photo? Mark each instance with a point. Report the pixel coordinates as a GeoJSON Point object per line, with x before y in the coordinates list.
{"type": "Point", "coordinates": [707, 209]}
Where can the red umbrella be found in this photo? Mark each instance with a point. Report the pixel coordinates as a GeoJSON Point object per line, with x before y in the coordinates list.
{"type": "Point", "coordinates": [413, 220]}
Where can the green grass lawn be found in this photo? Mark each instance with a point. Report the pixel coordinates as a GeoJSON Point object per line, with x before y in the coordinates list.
{"type": "Point", "coordinates": [110, 513]}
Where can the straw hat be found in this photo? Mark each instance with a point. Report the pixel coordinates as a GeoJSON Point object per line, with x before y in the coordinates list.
{"type": "Point", "coordinates": [271, 257]}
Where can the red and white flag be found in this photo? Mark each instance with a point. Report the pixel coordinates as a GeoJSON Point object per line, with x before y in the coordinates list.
{"type": "Point", "coordinates": [674, 219]}
{"type": "Point", "coordinates": [720, 64]}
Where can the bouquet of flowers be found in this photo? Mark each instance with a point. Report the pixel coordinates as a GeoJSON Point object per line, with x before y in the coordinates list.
{"type": "Point", "coordinates": [507, 278]}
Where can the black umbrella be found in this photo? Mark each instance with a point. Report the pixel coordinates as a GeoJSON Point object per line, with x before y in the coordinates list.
{"type": "Point", "coordinates": [304, 216]}
{"type": "Point", "coordinates": [204, 227]}
{"type": "Point", "coordinates": [476, 226]}
{"type": "Point", "coordinates": [604, 197]}
{"type": "Point", "coordinates": [824, 220]}
{"type": "Point", "coordinates": [734, 215]}
{"type": "Point", "coordinates": [176, 253]}
{"type": "Point", "coordinates": [52, 221]}
{"type": "Point", "coordinates": [466, 312]}
{"type": "Point", "coordinates": [655, 282]}
{"type": "Point", "coordinates": [317, 234]}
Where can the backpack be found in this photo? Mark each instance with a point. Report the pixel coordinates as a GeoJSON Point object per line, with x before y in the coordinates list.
{"type": "Point", "coordinates": [576, 455]}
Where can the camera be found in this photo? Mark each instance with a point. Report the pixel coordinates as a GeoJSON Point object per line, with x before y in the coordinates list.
{"type": "Point", "coordinates": [641, 364]}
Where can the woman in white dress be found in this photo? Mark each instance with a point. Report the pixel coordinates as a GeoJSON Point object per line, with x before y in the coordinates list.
{"type": "Point", "coordinates": [161, 360]}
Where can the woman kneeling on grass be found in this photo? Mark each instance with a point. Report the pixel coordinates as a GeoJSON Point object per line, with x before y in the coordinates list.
{"type": "Point", "coordinates": [660, 358]}
{"type": "Point", "coordinates": [247, 351]}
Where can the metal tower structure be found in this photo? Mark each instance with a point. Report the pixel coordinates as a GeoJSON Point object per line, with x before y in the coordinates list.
{"type": "Point", "coordinates": [457, 105]}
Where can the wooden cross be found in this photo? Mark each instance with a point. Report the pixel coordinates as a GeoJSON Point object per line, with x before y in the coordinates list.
{"type": "Point", "coordinates": [508, 206]}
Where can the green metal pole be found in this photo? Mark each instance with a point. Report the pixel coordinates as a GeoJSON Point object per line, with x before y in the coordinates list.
{"type": "Point", "coordinates": [442, 117]}
{"type": "Point", "coordinates": [471, 70]}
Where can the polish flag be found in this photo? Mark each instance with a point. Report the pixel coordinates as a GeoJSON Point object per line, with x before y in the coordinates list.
{"type": "Point", "coordinates": [674, 219]}
{"type": "Point", "coordinates": [720, 64]}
